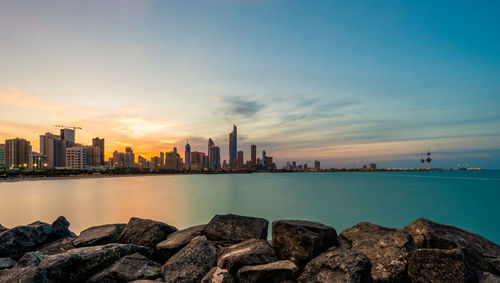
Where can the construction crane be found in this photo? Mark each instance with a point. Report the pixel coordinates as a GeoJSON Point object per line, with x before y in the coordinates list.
{"type": "Point", "coordinates": [70, 127]}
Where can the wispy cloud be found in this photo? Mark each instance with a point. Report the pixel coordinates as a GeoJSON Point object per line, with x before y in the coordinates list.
{"type": "Point", "coordinates": [240, 106]}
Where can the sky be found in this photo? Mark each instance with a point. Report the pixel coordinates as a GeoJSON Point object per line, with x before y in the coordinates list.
{"type": "Point", "coordinates": [344, 82]}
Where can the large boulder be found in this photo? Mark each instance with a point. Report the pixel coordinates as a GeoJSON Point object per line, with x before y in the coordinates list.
{"type": "Point", "coordinates": [6, 263]}
{"type": "Point", "coordinates": [388, 249]}
{"type": "Point", "coordinates": [487, 277]}
{"type": "Point", "coordinates": [338, 265]}
{"type": "Point", "coordinates": [128, 268]}
{"type": "Point", "coordinates": [18, 240]}
{"type": "Point", "coordinates": [78, 265]}
{"type": "Point", "coordinates": [235, 228]}
{"type": "Point", "coordinates": [60, 229]}
{"type": "Point", "coordinates": [250, 252]}
{"type": "Point", "coordinates": [192, 262]}
{"type": "Point", "coordinates": [300, 241]}
{"type": "Point", "coordinates": [275, 272]}
{"type": "Point", "coordinates": [437, 265]}
{"type": "Point", "coordinates": [176, 241]}
{"type": "Point", "coordinates": [217, 275]}
{"type": "Point", "coordinates": [30, 259]}
{"type": "Point", "coordinates": [99, 235]}
{"type": "Point", "coordinates": [145, 232]}
{"type": "Point", "coordinates": [2, 228]}
{"type": "Point", "coordinates": [23, 275]}
{"type": "Point", "coordinates": [57, 247]}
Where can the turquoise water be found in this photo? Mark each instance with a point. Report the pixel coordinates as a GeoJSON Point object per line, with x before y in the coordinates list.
{"type": "Point", "coordinates": [468, 199]}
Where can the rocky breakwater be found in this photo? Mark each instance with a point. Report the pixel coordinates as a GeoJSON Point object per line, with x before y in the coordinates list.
{"type": "Point", "coordinates": [233, 248]}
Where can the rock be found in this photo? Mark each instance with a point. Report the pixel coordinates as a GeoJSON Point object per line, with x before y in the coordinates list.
{"type": "Point", "coordinates": [23, 275]}
{"type": "Point", "coordinates": [493, 265]}
{"type": "Point", "coordinates": [176, 241]}
{"type": "Point", "coordinates": [192, 262]}
{"type": "Point", "coordinates": [99, 235]}
{"type": "Point", "coordinates": [2, 228]}
{"type": "Point", "coordinates": [18, 240]}
{"type": "Point", "coordinates": [337, 265]}
{"type": "Point", "coordinates": [60, 229]}
{"type": "Point", "coordinates": [148, 281]}
{"type": "Point", "coordinates": [145, 232]}
{"type": "Point", "coordinates": [57, 247]}
{"type": "Point", "coordinates": [278, 271]}
{"type": "Point", "coordinates": [487, 277]}
{"type": "Point", "coordinates": [218, 275]}
{"type": "Point", "coordinates": [30, 259]}
{"type": "Point", "coordinates": [250, 252]}
{"type": "Point", "coordinates": [432, 235]}
{"type": "Point", "coordinates": [128, 268]}
{"type": "Point", "coordinates": [388, 249]}
{"type": "Point", "coordinates": [7, 263]}
{"type": "Point", "coordinates": [78, 265]}
{"type": "Point", "coordinates": [436, 265]}
{"type": "Point", "coordinates": [301, 241]}
{"type": "Point", "coordinates": [235, 228]}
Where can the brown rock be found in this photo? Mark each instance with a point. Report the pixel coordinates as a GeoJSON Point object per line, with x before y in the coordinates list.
{"type": "Point", "coordinates": [250, 252]}
{"type": "Point", "coordinates": [23, 275]}
{"type": "Point", "coordinates": [176, 241]}
{"type": "Point", "coordinates": [235, 228]}
{"type": "Point", "coordinates": [145, 232]}
{"type": "Point", "coordinates": [218, 275]}
{"type": "Point", "coordinates": [128, 268]}
{"type": "Point", "coordinates": [99, 235]}
{"type": "Point", "coordinates": [275, 272]}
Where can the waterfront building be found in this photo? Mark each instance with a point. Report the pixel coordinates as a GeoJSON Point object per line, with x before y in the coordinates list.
{"type": "Point", "coordinates": [129, 157]}
{"type": "Point", "coordinates": [37, 161]}
{"type": "Point", "coordinates": [68, 136]}
{"type": "Point", "coordinates": [100, 143]}
{"type": "Point", "coordinates": [143, 162]}
{"type": "Point", "coordinates": [305, 166]}
{"type": "Point", "coordinates": [118, 159]}
{"type": "Point", "coordinates": [162, 160]}
{"type": "Point", "coordinates": [198, 160]}
{"type": "Point", "coordinates": [187, 153]}
{"type": "Point", "coordinates": [93, 156]}
{"type": "Point", "coordinates": [54, 148]}
{"type": "Point", "coordinates": [253, 153]}
{"type": "Point", "coordinates": [209, 157]}
{"type": "Point", "coordinates": [264, 165]}
{"type": "Point", "coordinates": [155, 163]}
{"type": "Point", "coordinates": [240, 159]}
{"type": "Point", "coordinates": [214, 158]}
{"type": "Point", "coordinates": [172, 160]}
{"type": "Point", "coordinates": [2, 157]}
{"type": "Point", "coordinates": [372, 166]}
{"type": "Point", "coordinates": [76, 157]}
{"type": "Point", "coordinates": [317, 165]}
{"type": "Point", "coordinates": [233, 147]}
{"type": "Point", "coordinates": [16, 153]}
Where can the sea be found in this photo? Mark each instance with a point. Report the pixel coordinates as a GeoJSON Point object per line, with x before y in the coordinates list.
{"type": "Point", "coordinates": [467, 199]}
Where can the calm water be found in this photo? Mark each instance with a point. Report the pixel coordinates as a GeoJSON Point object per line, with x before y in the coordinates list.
{"type": "Point", "coordinates": [466, 199]}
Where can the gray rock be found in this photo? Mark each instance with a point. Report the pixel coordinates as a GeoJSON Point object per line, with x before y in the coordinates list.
{"type": "Point", "coordinates": [176, 241]}
{"type": "Point", "coordinates": [57, 247]}
{"type": "Point", "coordinates": [30, 259]}
{"type": "Point", "coordinates": [78, 265]}
{"type": "Point", "coordinates": [99, 235]}
{"type": "Point", "coordinates": [18, 240]}
{"type": "Point", "coordinates": [192, 262]}
{"type": "Point", "coordinates": [60, 229]}
{"type": "Point", "coordinates": [487, 277]}
{"type": "Point", "coordinates": [218, 275]}
{"type": "Point", "coordinates": [301, 241]}
{"type": "Point", "coordinates": [337, 265]}
{"type": "Point", "coordinates": [436, 265]}
{"type": "Point", "coordinates": [2, 228]}
{"type": "Point", "coordinates": [128, 268]}
{"type": "Point", "coordinates": [23, 275]}
{"type": "Point", "coordinates": [235, 228]}
{"type": "Point", "coordinates": [145, 232]}
{"type": "Point", "coordinates": [148, 281]}
{"type": "Point", "coordinates": [275, 272]}
{"type": "Point", "coordinates": [7, 263]}
{"type": "Point", "coordinates": [388, 249]}
{"type": "Point", "coordinates": [250, 252]}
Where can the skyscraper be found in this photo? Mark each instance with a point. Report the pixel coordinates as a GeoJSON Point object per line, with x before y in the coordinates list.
{"type": "Point", "coordinates": [264, 165]}
{"type": "Point", "coordinates": [54, 148]}
{"type": "Point", "coordinates": [93, 156]}
{"type": "Point", "coordinates": [16, 153]}
{"type": "Point", "coordinates": [253, 149]}
{"type": "Point", "coordinates": [2, 156]}
{"type": "Point", "coordinates": [68, 136]}
{"type": "Point", "coordinates": [209, 152]}
{"type": "Point", "coordinates": [129, 157]}
{"type": "Point", "coordinates": [214, 158]}
{"type": "Point", "coordinates": [76, 157]}
{"type": "Point", "coordinates": [317, 165]}
{"type": "Point", "coordinates": [240, 159]}
{"type": "Point", "coordinates": [187, 153]}
{"type": "Point", "coordinates": [233, 147]}
{"type": "Point", "coordinates": [100, 143]}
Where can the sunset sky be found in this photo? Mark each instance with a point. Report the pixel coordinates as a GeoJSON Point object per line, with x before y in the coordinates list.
{"type": "Point", "coordinates": [345, 82]}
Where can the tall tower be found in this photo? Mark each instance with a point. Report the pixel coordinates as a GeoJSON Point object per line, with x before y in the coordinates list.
{"type": "Point", "coordinates": [209, 152]}
{"type": "Point", "coordinates": [253, 148]}
{"type": "Point", "coordinates": [429, 159]}
{"type": "Point", "coordinates": [187, 153]}
{"type": "Point", "coordinates": [422, 161]}
{"type": "Point", "coordinates": [233, 147]}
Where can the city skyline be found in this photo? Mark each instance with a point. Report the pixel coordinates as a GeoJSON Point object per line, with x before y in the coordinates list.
{"type": "Point", "coordinates": [344, 82]}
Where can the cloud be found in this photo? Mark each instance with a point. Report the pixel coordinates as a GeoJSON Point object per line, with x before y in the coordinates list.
{"type": "Point", "coordinates": [243, 107]}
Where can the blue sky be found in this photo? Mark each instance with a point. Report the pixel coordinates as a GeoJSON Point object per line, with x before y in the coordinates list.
{"type": "Point", "coordinates": [340, 81]}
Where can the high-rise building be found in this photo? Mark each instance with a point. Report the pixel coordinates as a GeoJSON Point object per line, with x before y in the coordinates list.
{"type": "Point", "coordinates": [253, 149]}
{"type": "Point", "coordinates": [37, 161]}
{"type": "Point", "coordinates": [317, 165]}
{"type": "Point", "coordinates": [187, 153]}
{"type": "Point", "coordinates": [2, 157]}
{"type": "Point", "coordinates": [100, 143]}
{"type": "Point", "coordinates": [209, 152]}
{"type": "Point", "coordinates": [155, 163]}
{"type": "Point", "coordinates": [240, 159]}
{"type": "Point", "coordinates": [93, 156]}
{"type": "Point", "coordinates": [214, 158]}
{"type": "Point", "coordinates": [118, 159]}
{"type": "Point", "coordinates": [233, 147]}
{"type": "Point", "coordinates": [172, 160]}
{"type": "Point", "coordinates": [198, 160]}
{"type": "Point", "coordinates": [54, 148]}
{"type": "Point", "coordinates": [68, 136]}
{"type": "Point", "coordinates": [76, 157]}
{"type": "Point", "coordinates": [16, 153]}
{"type": "Point", "coordinates": [129, 157]}
{"type": "Point", "coordinates": [264, 161]}
{"type": "Point", "coordinates": [372, 166]}
{"type": "Point", "coordinates": [162, 159]}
